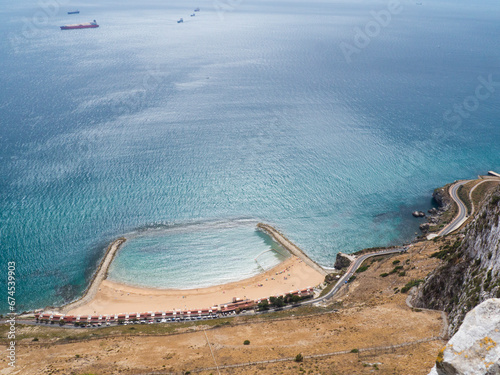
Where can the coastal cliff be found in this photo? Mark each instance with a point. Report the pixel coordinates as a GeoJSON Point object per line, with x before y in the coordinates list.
{"type": "Point", "coordinates": [470, 273]}
{"type": "Point", "coordinates": [474, 348]}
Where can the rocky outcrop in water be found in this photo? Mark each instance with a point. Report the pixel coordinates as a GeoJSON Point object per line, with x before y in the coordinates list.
{"type": "Point", "coordinates": [444, 202]}
{"type": "Point", "coordinates": [342, 261]}
{"type": "Point", "coordinates": [475, 348]}
{"type": "Point", "coordinates": [471, 270]}
{"type": "Point", "coordinates": [442, 198]}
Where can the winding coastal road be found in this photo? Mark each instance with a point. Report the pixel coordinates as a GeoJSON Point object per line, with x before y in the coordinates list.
{"type": "Point", "coordinates": [350, 271]}
{"type": "Point", "coordinates": [342, 281]}
{"type": "Point", "coordinates": [462, 210]}
{"type": "Point", "coordinates": [462, 214]}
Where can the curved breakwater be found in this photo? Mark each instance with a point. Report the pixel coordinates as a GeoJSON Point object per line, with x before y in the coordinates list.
{"type": "Point", "coordinates": [290, 247]}
{"type": "Point", "coordinates": [102, 271]}
{"type": "Point", "coordinates": [99, 276]}
{"type": "Point", "coordinates": [159, 258]}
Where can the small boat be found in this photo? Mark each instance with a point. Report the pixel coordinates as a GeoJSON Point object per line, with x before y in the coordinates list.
{"type": "Point", "coordinates": [88, 25]}
{"type": "Point", "coordinates": [180, 21]}
{"type": "Point", "coordinates": [197, 10]}
{"type": "Point", "coordinates": [194, 14]}
{"type": "Point", "coordinates": [74, 12]}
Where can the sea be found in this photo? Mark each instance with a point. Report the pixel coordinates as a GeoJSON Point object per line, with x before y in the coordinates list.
{"type": "Point", "coordinates": [330, 120]}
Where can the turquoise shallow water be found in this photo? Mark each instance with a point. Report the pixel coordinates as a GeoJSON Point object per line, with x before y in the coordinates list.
{"type": "Point", "coordinates": [249, 113]}
{"type": "Point", "coordinates": [182, 257]}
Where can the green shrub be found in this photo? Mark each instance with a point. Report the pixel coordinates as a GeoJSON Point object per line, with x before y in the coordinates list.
{"type": "Point", "coordinates": [354, 350]}
{"type": "Point", "coordinates": [396, 262]}
{"type": "Point", "coordinates": [385, 274]}
{"type": "Point", "coordinates": [299, 358]}
{"type": "Point", "coordinates": [411, 284]}
{"type": "Point", "coordinates": [246, 342]}
{"type": "Point", "coordinates": [495, 199]}
{"type": "Point", "coordinates": [440, 254]}
{"type": "Point", "coordinates": [395, 270]}
{"type": "Point", "coordinates": [362, 269]}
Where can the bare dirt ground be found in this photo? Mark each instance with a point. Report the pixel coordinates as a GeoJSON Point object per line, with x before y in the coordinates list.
{"type": "Point", "coordinates": [370, 312]}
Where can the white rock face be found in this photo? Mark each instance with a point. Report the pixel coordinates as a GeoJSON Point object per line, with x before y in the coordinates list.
{"type": "Point", "coordinates": [475, 348]}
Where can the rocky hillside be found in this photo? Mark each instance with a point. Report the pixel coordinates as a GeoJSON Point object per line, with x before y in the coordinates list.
{"type": "Point", "coordinates": [470, 273]}
{"type": "Point", "coordinates": [474, 348]}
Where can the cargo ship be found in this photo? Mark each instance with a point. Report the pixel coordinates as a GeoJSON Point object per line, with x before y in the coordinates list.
{"type": "Point", "coordinates": [88, 25]}
{"type": "Point", "coordinates": [74, 12]}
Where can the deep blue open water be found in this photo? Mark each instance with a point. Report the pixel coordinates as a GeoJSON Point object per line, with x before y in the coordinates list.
{"type": "Point", "coordinates": [247, 112]}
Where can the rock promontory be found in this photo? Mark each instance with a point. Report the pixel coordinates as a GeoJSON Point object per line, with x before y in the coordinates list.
{"type": "Point", "coordinates": [343, 261]}
{"type": "Point", "coordinates": [475, 348]}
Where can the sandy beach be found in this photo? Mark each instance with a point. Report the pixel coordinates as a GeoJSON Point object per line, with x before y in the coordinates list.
{"type": "Point", "coordinates": [114, 298]}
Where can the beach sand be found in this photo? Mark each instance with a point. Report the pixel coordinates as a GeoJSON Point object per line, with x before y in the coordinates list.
{"type": "Point", "coordinates": [114, 298]}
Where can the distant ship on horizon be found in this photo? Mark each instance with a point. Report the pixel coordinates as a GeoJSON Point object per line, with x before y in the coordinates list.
{"type": "Point", "coordinates": [87, 25]}
{"type": "Point", "coordinates": [74, 12]}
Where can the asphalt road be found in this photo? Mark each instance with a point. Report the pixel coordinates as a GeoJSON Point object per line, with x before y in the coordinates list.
{"type": "Point", "coordinates": [351, 270]}
{"type": "Point", "coordinates": [462, 210]}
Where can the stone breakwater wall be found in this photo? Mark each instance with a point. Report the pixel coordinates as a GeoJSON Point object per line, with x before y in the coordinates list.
{"type": "Point", "coordinates": [290, 247]}
{"type": "Point", "coordinates": [99, 276]}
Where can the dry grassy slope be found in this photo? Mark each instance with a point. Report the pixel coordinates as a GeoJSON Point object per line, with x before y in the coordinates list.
{"type": "Point", "coordinates": [371, 313]}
